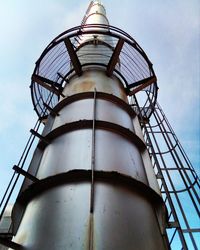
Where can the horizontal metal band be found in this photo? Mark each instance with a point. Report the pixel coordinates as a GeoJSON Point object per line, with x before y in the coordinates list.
{"type": "Point", "coordinates": [78, 176]}
{"type": "Point", "coordinates": [99, 95]}
{"type": "Point", "coordinates": [87, 124]}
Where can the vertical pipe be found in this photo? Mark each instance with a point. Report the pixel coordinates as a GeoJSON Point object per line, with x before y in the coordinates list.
{"type": "Point", "coordinates": [93, 154]}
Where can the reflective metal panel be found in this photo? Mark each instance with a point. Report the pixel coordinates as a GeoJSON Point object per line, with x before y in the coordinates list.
{"type": "Point", "coordinates": [116, 153]}
{"type": "Point", "coordinates": [57, 219]}
{"type": "Point", "coordinates": [124, 220]}
{"type": "Point", "coordinates": [67, 152]}
{"type": "Point", "coordinates": [60, 219]}
{"type": "Point", "coordinates": [73, 151]}
{"type": "Point", "coordinates": [83, 110]}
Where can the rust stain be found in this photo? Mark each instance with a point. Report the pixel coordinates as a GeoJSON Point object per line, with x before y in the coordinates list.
{"type": "Point", "coordinates": [90, 233]}
{"type": "Point", "coordinates": [123, 94]}
{"type": "Point", "coordinates": [84, 86]}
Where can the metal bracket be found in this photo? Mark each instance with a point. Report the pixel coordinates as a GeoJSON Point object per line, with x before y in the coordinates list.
{"type": "Point", "coordinates": [10, 244]}
{"type": "Point", "coordinates": [48, 84]}
{"type": "Point", "coordinates": [173, 224]}
{"type": "Point", "coordinates": [142, 84]}
{"type": "Point", "coordinates": [25, 174]}
{"type": "Point", "coordinates": [33, 132]}
{"type": "Point", "coordinates": [50, 109]}
{"type": "Point", "coordinates": [62, 77]}
{"type": "Point", "coordinates": [159, 176]}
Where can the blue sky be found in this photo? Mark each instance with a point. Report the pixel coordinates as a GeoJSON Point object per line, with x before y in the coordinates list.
{"type": "Point", "coordinates": [168, 31]}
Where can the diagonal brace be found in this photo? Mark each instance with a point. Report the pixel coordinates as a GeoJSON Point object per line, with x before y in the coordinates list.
{"type": "Point", "coordinates": [48, 84]}
{"type": "Point", "coordinates": [143, 84]}
{"type": "Point", "coordinates": [115, 57]}
{"type": "Point", "coordinates": [73, 56]}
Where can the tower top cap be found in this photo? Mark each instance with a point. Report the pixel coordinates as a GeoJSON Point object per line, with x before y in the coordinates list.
{"type": "Point", "coordinates": [97, 1]}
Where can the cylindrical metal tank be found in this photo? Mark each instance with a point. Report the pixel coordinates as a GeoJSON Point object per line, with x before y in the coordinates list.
{"type": "Point", "coordinates": [96, 187]}
{"type": "Point", "coordinates": [116, 208]}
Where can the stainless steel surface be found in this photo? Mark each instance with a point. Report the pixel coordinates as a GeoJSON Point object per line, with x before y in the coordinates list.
{"type": "Point", "coordinates": [73, 151]}
{"type": "Point", "coordinates": [105, 111]}
{"type": "Point", "coordinates": [125, 220]}
{"type": "Point", "coordinates": [96, 13]}
{"type": "Point", "coordinates": [114, 153]}
{"type": "Point", "coordinates": [117, 210]}
{"type": "Point", "coordinates": [60, 219]}
{"type": "Point", "coordinates": [57, 220]}
{"type": "Point", "coordinates": [67, 152]}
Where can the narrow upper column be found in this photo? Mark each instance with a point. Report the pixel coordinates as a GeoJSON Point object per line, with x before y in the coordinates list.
{"type": "Point", "coordinates": [95, 14]}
